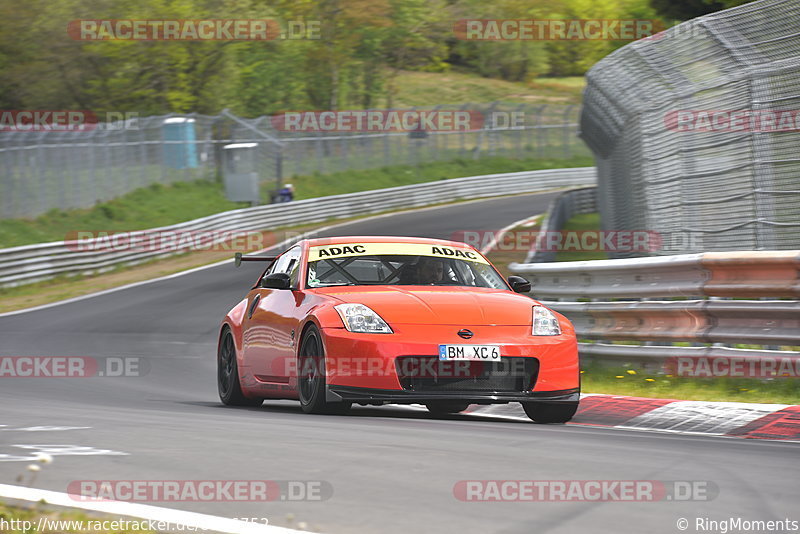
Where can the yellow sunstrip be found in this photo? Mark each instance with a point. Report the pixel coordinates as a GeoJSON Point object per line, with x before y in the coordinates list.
{"type": "Point", "coordinates": [347, 250]}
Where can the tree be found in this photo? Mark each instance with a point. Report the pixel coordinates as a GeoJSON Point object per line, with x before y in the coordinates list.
{"type": "Point", "coordinates": [690, 9]}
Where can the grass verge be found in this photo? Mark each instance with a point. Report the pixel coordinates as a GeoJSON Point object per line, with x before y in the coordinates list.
{"type": "Point", "coordinates": [320, 185]}
{"type": "Point", "coordinates": [638, 383]}
{"type": "Point", "coordinates": [59, 521]}
{"type": "Point", "coordinates": [579, 223]}
{"type": "Point", "coordinates": [159, 205]}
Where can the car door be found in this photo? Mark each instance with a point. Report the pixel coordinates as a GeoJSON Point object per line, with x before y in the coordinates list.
{"type": "Point", "coordinates": [271, 328]}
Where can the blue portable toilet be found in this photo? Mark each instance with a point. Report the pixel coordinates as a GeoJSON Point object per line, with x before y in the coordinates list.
{"type": "Point", "coordinates": [180, 149]}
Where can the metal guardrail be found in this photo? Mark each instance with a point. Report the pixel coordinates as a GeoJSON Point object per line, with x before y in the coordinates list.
{"type": "Point", "coordinates": [31, 263]}
{"type": "Point", "coordinates": [657, 358]}
{"type": "Point", "coordinates": [703, 321]}
{"type": "Point", "coordinates": [743, 274]}
{"type": "Point", "coordinates": [561, 210]}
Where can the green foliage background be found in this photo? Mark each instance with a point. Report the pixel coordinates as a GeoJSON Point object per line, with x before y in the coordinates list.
{"type": "Point", "coordinates": [365, 46]}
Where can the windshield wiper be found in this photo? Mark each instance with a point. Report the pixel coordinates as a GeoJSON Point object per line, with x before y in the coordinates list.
{"type": "Point", "coordinates": [333, 284]}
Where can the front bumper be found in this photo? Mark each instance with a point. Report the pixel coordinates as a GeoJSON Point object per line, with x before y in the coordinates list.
{"type": "Point", "coordinates": [389, 396]}
{"type": "Point", "coordinates": [363, 366]}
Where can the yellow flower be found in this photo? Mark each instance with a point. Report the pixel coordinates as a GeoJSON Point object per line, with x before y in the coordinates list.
{"type": "Point", "coordinates": [631, 372]}
{"type": "Point", "coordinates": [620, 376]}
{"type": "Point", "coordinates": [649, 379]}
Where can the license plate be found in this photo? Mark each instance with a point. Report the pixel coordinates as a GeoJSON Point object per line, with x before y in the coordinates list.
{"type": "Point", "coordinates": [481, 353]}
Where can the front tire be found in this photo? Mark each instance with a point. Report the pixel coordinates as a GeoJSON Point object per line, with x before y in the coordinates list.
{"type": "Point", "coordinates": [550, 412]}
{"type": "Point", "coordinates": [228, 385]}
{"type": "Point", "coordinates": [311, 377]}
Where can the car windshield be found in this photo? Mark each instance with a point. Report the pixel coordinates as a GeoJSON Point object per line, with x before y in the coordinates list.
{"type": "Point", "coordinates": [399, 264]}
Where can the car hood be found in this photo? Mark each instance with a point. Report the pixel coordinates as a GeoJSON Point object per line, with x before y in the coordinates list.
{"type": "Point", "coordinates": [459, 306]}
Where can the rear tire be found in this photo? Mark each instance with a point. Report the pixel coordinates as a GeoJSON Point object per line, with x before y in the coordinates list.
{"type": "Point", "coordinates": [311, 377]}
{"type": "Point", "coordinates": [446, 407]}
{"type": "Point", "coordinates": [550, 412]}
{"type": "Point", "coordinates": [228, 385]}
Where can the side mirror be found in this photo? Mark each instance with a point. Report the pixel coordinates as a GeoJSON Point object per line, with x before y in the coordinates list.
{"type": "Point", "coordinates": [276, 281]}
{"type": "Point", "coordinates": [519, 284]}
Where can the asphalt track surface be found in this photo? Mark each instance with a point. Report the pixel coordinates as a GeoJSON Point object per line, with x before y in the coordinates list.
{"type": "Point", "coordinates": [392, 469]}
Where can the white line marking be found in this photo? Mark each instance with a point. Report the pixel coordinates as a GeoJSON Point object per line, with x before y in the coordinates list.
{"type": "Point", "coordinates": [503, 231]}
{"type": "Point", "coordinates": [491, 415]}
{"type": "Point", "coordinates": [43, 428]}
{"type": "Point", "coordinates": [58, 450]}
{"type": "Point", "coordinates": [144, 511]}
{"type": "Point", "coordinates": [223, 262]}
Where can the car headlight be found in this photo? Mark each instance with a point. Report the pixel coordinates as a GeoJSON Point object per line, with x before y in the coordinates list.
{"type": "Point", "coordinates": [360, 318]}
{"type": "Point", "coordinates": [545, 323]}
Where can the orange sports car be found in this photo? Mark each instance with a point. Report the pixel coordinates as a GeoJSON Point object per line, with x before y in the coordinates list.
{"type": "Point", "coordinates": [379, 320]}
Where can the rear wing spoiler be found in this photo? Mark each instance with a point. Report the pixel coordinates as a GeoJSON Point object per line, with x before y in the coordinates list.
{"type": "Point", "coordinates": [238, 258]}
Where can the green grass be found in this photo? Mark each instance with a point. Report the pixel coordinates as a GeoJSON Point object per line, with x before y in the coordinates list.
{"type": "Point", "coordinates": [148, 207]}
{"type": "Point", "coordinates": [585, 221]}
{"type": "Point", "coordinates": [20, 515]}
{"type": "Point", "coordinates": [455, 88]}
{"type": "Point", "coordinates": [159, 205]}
{"type": "Point", "coordinates": [318, 185]}
{"type": "Point", "coordinates": [620, 381]}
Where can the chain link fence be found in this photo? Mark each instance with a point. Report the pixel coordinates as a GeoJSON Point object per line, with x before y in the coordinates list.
{"type": "Point", "coordinates": [696, 131]}
{"type": "Point", "coordinates": [45, 170]}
